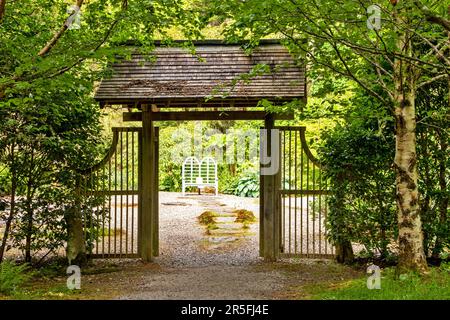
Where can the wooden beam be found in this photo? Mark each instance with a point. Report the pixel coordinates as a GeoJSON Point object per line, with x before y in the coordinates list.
{"type": "Point", "coordinates": [140, 194]}
{"type": "Point", "coordinates": [205, 115]}
{"type": "Point", "coordinates": [271, 211]}
{"type": "Point", "coordinates": [194, 103]}
{"type": "Point", "coordinates": [155, 185]}
{"type": "Point", "coordinates": [261, 206]}
{"type": "Point", "coordinates": [147, 213]}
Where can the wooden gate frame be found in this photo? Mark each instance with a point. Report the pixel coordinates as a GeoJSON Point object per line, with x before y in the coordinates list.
{"type": "Point", "coordinates": [271, 194]}
{"type": "Point", "coordinates": [155, 101]}
{"type": "Point", "coordinates": [271, 191]}
{"type": "Point", "coordinates": [316, 187]}
{"type": "Point", "coordinates": [115, 192]}
{"type": "Point", "coordinates": [149, 183]}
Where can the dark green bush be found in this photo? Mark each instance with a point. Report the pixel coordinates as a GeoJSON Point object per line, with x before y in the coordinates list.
{"type": "Point", "coordinates": [433, 144]}
{"type": "Point", "coordinates": [358, 157]}
{"type": "Point", "coordinates": [246, 186]}
{"type": "Point", "coordinates": [170, 177]}
{"type": "Point", "coordinates": [358, 162]}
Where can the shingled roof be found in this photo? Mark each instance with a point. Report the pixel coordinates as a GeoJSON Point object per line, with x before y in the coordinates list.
{"type": "Point", "coordinates": [174, 77]}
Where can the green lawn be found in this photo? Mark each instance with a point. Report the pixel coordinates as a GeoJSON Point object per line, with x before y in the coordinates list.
{"type": "Point", "coordinates": [433, 286]}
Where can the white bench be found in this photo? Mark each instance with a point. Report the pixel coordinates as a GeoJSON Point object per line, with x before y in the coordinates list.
{"type": "Point", "coordinates": [199, 174]}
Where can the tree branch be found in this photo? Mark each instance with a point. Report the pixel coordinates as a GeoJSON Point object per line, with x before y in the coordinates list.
{"type": "Point", "coordinates": [58, 34]}
{"type": "Point", "coordinates": [105, 38]}
{"type": "Point", "coordinates": [353, 76]}
{"type": "Point", "coordinates": [439, 21]}
{"type": "Point", "coordinates": [2, 9]}
{"type": "Point", "coordinates": [430, 81]}
{"type": "Point", "coordinates": [432, 17]}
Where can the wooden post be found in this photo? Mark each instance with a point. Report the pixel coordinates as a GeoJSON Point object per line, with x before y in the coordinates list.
{"type": "Point", "coordinates": [139, 237]}
{"type": "Point", "coordinates": [155, 185]}
{"type": "Point", "coordinates": [261, 209]}
{"type": "Point", "coordinates": [147, 183]}
{"type": "Point", "coordinates": [271, 203]}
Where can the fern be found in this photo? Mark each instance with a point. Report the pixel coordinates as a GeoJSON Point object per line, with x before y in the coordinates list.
{"type": "Point", "coordinates": [12, 276]}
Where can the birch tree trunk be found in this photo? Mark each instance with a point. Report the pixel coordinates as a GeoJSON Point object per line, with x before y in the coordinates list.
{"type": "Point", "coordinates": [411, 253]}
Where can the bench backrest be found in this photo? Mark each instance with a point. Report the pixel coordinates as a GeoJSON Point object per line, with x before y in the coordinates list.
{"type": "Point", "coordinates": [190, 170]}
{"type": "Point", "coordinates": [193, 169]}
{"type": "Point", "coordinates": [208, 170]}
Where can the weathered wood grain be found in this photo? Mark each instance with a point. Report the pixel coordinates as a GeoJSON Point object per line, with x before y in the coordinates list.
{"type": "Point", "coordinates": [177, 77]}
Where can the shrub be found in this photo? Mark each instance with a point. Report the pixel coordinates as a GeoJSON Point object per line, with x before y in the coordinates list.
{"type": "Point", "coordinates": [362, 202]}
{"type": "Point", "coordinates": [170, 177]}
{"type": "Point", "coordinates": [245, 217]}
{"type": "Point", "coordinates": [12, 276]}
{"type": "Point", "coordinates": [358, 157]}
{"type": "Point", "coordinates": [247, 186]}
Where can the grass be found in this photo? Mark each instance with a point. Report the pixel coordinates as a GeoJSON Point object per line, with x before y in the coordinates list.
{"type": "Point", "coordinates": [49, 283]}
{"type": "Point", "coordinates": [13, 277]}
{"type": "Point", "coordinates": [433, 286]}
{"type": "Point", "coordinates": [54, 292]}
{"type": "Point", "coordinates": [245, 217]}
{"type": "Point", "coordinates": [207, 218]}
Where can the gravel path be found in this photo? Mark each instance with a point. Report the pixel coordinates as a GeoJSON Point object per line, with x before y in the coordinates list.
{"type": "Point", "coordinates": [194, 265]}
{"type": "Point", "coordinates": [183, 242]}
{"type": "Point", "coordinates": [212, 283]}
{"type": "Point", "coordinates": [222, 265]}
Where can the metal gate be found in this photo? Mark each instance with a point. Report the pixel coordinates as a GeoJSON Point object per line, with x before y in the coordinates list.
{"type": "Point", "coordinates": [302, 196]}
{"type": "Point", "coordinates": [112, 229]}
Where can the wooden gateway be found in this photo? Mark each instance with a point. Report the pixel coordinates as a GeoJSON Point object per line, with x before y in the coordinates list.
{"type": "Point", "coordinates": [217, 82]}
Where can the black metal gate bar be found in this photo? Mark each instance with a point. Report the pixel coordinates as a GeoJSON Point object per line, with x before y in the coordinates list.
{"type": "Point", "coordinates": [303, 192]}
{"type": "Point", "coordinates": [111, 228]}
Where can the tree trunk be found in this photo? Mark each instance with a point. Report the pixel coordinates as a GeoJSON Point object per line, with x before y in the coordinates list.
{"type": "Point", "coordinates": [29, 210]}
{"type": "Point", "coordinates": [29, 234]}
{"type": "Point", "coordinates": [76, 244]}
{"type": "Point", "coordinates": [344, 248]}
{"type": "Point", "coordinates": [411, 253]}
{"type": "Point", "coordinates": [12, 209]}
{"type": "Point", "coordinates": [8, 221]}
{"type": "Point", "coordinates": [344, 252]}
{"type": "Point", "coordinates": [76, 247]}
{"type": "Point", "coordinates": [444, 198]}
